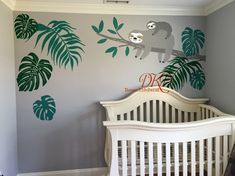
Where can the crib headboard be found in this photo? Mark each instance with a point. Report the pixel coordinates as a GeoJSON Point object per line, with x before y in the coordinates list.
{"type": "Point", "coordinates": [154, 104]}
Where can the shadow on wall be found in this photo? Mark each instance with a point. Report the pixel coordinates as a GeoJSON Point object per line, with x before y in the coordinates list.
{"type": "Point", "coordinates": [79, 143]}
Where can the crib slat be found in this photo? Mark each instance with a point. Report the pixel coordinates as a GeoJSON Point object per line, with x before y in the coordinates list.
{"type": "Point", "coordinates": [150, 153]}
{"type": "Point", "coordinates": [159, 158]}
{"type": "Point", "coordinates": [225, 152]}
{"type": "Point", "coordinates": [168, 160]}
{"type": "Point", "coordinates": [167, 118]}
{"type": "Point", "coordinates": [124, 158]}
{"type": "Point", "coordinates": [121, 116]}
{"type": "Point", "coordinates": [154, 111]}
{"type": "Point", "coordinates": [185, 163]}
{"type": "Point", "coordinates": [185, 115]}
{"type": "Point", "coordinates": [203, 113]}
{"type": "Point", "coordinates": [207, 113]}
{"type": "Point", "coordinates": [142, 164]}
{"type": "Point", "coordinates": [160, 111]}
{"type": "Point", "coordinates": [173, 115]}
{"type": "Point", "coordinates": [193, 162]}
{"type": "Point", "coordinates": [211, 114]}
{"type": "Point", "coordinates": [133, 158]}
{"type": "Point", "coordinates": [179, 116]}
{"type": "Point", "coordinates": [201, 158]}
{"type": "Point", "coordinates": [148, 111]}
{"type": "Point", "coordinates": [141, 113]}
{"type": "Point", "coordinates": [128, 116]}
{"type": "Point", "coordinates": [209, 156]}
{"type": "Point", "coordinates": [191, 116]}
{"type": "Point", "coordinates": [217, 156]}
{"type": "Point", "coordinates": [135, 114]}
{"type": "Point", "coordinates": [176, 157]}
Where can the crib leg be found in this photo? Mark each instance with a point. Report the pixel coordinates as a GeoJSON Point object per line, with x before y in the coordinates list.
{"type": "Point", "coordinates": [114, 162]}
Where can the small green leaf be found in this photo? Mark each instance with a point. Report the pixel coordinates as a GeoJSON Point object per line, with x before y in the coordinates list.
{"type": "Point", "coordinates": [198, 79]}
{"type": "Point", "coordinates": [102, 41]}
{"type": "Point", "coordinates": [112, 31]}
{"type": "Point", "coordinates": [110, 50]}
{"type": "Point", "coordinates": [120, 26]}
{"type": "Point", "coordinates": [95, 29]}
{"type": "Point", "coordinates": [115, 23]}
{"type": "Point", "coordinates": [127, 51]}
{"type": "Point", "coordinates": [45, 108]}
{"type": "Point", "coordinates": [101, 26]}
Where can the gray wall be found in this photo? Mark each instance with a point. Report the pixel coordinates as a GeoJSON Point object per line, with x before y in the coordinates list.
{"type": "Point", "coordinates": [220, 63]}
{"type": "Point", "coordinates": [75, 137]}
{"type": "Point", "coordinates": [8, 146]}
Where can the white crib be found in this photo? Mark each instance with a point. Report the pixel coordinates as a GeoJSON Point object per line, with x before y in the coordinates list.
{"type": "Point", "coordinates": [160, 132]}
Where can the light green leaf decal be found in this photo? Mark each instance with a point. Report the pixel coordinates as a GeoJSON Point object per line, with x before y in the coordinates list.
{"type": "Point", "coordinates": [192, 41]}
{"type": "Point", "coordinates": [198, 80]}
{"type": "Point", "coordinates": [112, 50]}
{"type": "Point", "coordinates": [45, 108]}
{"type": "Point", "coordinates": [62, 44]}
{"type": "Point", "coordinates": [33, 72]}
{"type": "Point", "coordinates": [25, 27]}
{"type": "Point", "coordinates": [102, 41]}
{"type": "Point", "coordinates": [178, 72]}
{"type": "Point", "coordinates": [127, 51]}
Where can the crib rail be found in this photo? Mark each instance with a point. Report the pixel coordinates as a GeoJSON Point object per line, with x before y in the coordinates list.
{"type": "Point", "coordinates": [207, 111]}
{"type": "Point", "coordinates": [192, 147]}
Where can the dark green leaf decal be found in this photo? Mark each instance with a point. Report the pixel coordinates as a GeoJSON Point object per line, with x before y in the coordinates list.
{"type": "Point", "coordinates": [33, 72]}
{"type": "Point", "coordinates": [62, 44]}
{"type": "Point", "coordinates": [178, 72]}
{"type": "Point", "coordinates": [198, 80]}
{"type": "Point", "coordinates": [101, 26]}
{"type": "Point", "coordinates": [112, 31]}
{"type": "Point", "coordinates": [45, 108]}
{"type": "Point", "coordinates": [192, 41]}
{"type": "Point", "coordinates": [95, 29]}
{"type": "Point", "coordinates": [115, 23]}
{"type": "Point", "coordinates": [120, 26]}
{"type": "Point", "coordinates": [112, 50]}
{"type": "Point", "coordinates": [127, 51]}
{"type": "Point", "coordinates": [25, 27]}
{"type": "Point", "coordinates": [102, 41]}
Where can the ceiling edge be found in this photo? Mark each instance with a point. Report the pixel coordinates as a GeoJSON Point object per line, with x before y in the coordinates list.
{"type": "Point", "coordinates": [106, 9]}
{"type": "Point", "coordinates": [113, 9]}
{"type": "Point", "coordinates": [10, 3]}
{"type": "Point", "coordinates": [216, 5]}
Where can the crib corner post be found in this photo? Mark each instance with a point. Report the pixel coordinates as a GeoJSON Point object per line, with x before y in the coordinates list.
{"type": "Point", "coordinates": [114, 161]}
{"type": "Point", "coordinates": [233, 134]}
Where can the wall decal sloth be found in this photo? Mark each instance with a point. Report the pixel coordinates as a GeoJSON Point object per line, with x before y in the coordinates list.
{"type": "Point", "coordinates": [158, 35]}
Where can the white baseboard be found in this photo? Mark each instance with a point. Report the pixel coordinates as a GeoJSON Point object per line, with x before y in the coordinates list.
{"type": "Point", "coordinates": [102, 171]}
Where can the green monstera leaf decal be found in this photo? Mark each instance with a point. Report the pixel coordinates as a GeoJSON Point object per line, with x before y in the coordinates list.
{"type": "Point", "coordinates": [192, 41]}
{"type": "Point", "coordinates": [45, 108]}
{"type": "Point", "coordinates": [178, 72]}
{"type": "Point", "coordinates": [33, 72]}
{"type": "Point", "coordinates": [25, 27]}
{"type": "Point", "coordinates": [62, 44]}
{"type": "Point", "coordinates": [198, 79]}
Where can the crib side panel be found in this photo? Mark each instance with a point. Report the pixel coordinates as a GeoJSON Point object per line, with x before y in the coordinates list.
{"type": "Point", "coordinates": [197, 150]}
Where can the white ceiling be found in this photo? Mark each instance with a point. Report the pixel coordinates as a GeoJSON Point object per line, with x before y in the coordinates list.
{"type": "Point", "coordinates": [141, 7]}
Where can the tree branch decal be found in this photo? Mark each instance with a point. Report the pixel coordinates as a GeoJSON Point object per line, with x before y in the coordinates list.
{"type": "Point", "coordinates": [177, 53]}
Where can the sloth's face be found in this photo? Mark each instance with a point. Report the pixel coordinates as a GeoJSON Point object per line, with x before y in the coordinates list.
{"type": "Point", "coordinates": [151, 25]}
{"type": "Point", "coordinates": [136, 37]}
